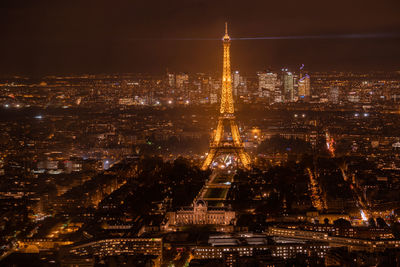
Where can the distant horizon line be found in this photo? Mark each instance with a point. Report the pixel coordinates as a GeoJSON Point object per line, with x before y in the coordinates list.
{"type": "Point", "coordinates": [76, 74]}
{"type": "Point", "coordinates": [285, 37]}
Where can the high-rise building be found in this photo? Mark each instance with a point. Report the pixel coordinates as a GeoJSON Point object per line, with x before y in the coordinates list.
{"type": "Point", "coordinates": [215, 87]}
{"type": "Point", "coordinates": [242, 86]}
{"type": "Point", "coordinates": [239, 84]}
{"type": "Point", "coordinates": [304, 89]}
{"type": "Point", "coordinates": [181, 80]}
{"type": "Point", "coordinates": [236, 79]}
{"type": "Point", "coordinates": [205, 86]}
{"type": "Point", "coordinates": [171, 79]}
{"type": "Point", "coordinates": [235, 82]}
{"type": "Point", "coordinates": [288, 85]}
{"type": "Point", "coordinates": [267, 84]}
{"type": "Point", "coordinates": [295, 86]}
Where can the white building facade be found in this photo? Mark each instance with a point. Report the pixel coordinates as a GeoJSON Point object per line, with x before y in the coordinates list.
{"type": "Point", "coordinates": [201, 213]}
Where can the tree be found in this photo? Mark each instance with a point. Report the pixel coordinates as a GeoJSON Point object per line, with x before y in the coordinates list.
{"type": "Point", "coordinates": [381, 223]}
{"type": "Point", "coordinates": [342, 223]}
{"type": "Point", "coordinates": [371, 222]}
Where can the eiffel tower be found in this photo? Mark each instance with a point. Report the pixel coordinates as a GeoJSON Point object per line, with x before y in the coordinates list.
{"type": "Point", "coordinates": [227, 117]}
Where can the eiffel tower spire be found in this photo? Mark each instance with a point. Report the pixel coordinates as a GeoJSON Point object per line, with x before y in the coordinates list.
{"type": "Point", "coordinates": [227, 116]}
{"type": "Point", "coordinates": [226, 95]}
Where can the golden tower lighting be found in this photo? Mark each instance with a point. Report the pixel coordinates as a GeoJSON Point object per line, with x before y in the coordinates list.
{"type": "Point", "coordinates": [227, 117]}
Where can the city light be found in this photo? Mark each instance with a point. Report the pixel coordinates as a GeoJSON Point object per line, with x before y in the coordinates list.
{"type": "Point", "coordinates": [363, 216]}
{"type": "Point", "coordinates": [159, 155]}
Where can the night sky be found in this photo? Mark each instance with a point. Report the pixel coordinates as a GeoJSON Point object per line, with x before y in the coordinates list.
{"type": "Point", "coordinates": [49, 37]}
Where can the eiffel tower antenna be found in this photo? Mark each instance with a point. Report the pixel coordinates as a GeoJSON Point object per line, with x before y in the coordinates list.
{"type": "Point", "coordinates": [227, 116]}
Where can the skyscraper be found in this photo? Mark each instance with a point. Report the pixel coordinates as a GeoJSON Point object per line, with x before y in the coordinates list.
{"type": "Point", "coordinates": [288, 84]}
{"type": "Point", "coordinates": [304, 87]}
{"type": "Point", "coordinates": [236, 82]}
{"type": "Point", "coordinates": [171, 79]}
{"type": "Point", "coordinates": [267, 84]}
{"type": "Point", "coordinates": [242, 86]}
{"type": "Point", "coordinates": [181, 80]}
{"type": "Point", "coordinates": [239, 84]}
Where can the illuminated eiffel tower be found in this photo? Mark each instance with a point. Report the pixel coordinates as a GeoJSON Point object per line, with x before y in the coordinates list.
{"type": "Point", "coordinates": [227, 117]}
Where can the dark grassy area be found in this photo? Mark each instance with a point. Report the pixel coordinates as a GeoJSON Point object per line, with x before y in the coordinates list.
{"type": "Point", "coordinates": [215, 193]}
